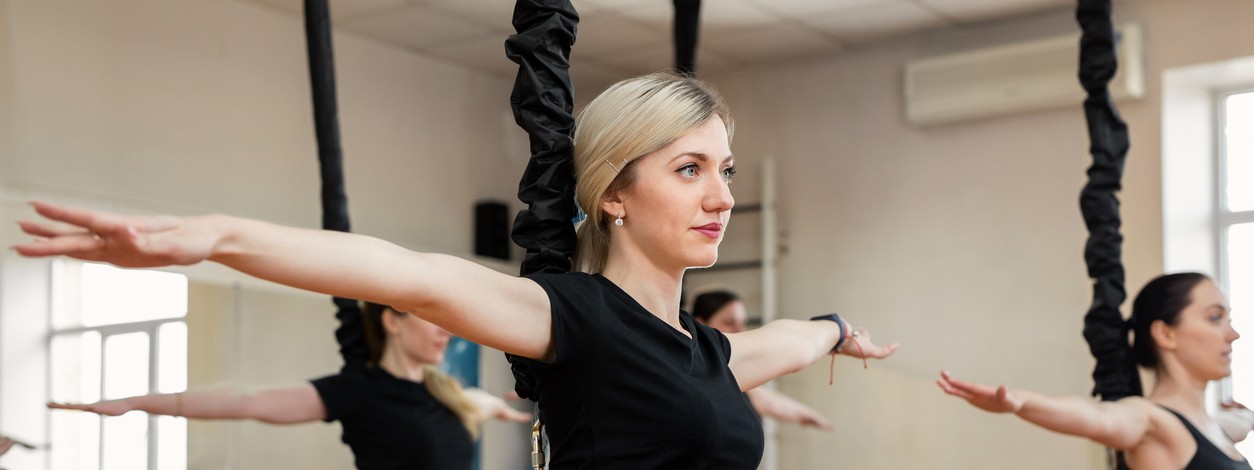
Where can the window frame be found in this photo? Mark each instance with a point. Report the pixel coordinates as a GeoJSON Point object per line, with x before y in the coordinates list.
{"type": "Point", "coordinates": [152, 328]}
{"type": "Point", "coordinates": [1225, 218]}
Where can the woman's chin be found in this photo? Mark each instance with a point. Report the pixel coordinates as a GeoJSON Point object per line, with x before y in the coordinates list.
{"type": "Point", "coordinates": [704, 258]}
{"type": "Point", "coordinates": [703, 263]}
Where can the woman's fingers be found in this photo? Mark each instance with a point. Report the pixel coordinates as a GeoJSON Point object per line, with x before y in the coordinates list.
{"type": "Point", "coordinates": [950, 389]}
{"type": "Point", "coordinates": [90, 233]}
{"type": "Point", "coordinates": [866, 348]}
{"type": "Point", "coordinates": [80, 245]}
{"type": "Point", "coordinates": [68, 406]}
{"type": "Point", "coordinates": [1232, 405]}
{"type": "Point", "coordinates": [94, 221]}
{"type": "Point", "coordinates": [516, 416]}
{"type": "Point", "coordinates": [817, 421]}
{"type": "Point", "coordinates": [968, 390]}
{"type": "Point", "coordinates": [969, 386]}
{"type": "Point", "coordinates": [996, 400]}
{"type": "Point", "coordinates": [47, 230]}
{"type": "Point", "coordinates": [885, 351]}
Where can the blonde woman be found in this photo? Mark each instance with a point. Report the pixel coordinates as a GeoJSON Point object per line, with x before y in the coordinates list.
{"type": "Point", "coordinates": [399, 411]}
{"type": "Point", "coordinates": [623, 377]}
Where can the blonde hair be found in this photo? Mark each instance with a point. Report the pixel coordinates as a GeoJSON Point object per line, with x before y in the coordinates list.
{"type": "Point", "coordinates": [448, 391]}
{"type": "Point", "coordinates": [629, 120]}
{"type": "Point", "coordinates": [445, 388]}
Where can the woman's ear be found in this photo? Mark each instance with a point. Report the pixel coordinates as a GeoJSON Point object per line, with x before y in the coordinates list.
{"type": "Point", "coordinates": [1164, 335]}
{"type": "Point", "coordinates": [391, 321]}
{"type": "Point", "coordinates": [612, 204]}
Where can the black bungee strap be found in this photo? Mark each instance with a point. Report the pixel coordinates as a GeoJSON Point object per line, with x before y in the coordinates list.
{"type": "Point", "coordinates": [350, 333]}
{"type": "Point", "coordinates": [1115, 375]}
{"type": "Point", "coordinates": [687, 30]}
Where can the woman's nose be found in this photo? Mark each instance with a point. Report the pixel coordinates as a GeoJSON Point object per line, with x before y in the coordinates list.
{"type": "Point", "coordinates": [720, 199]}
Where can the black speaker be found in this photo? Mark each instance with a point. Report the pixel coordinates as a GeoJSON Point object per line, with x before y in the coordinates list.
{"type": "Point", "coordinates": [492, 229]}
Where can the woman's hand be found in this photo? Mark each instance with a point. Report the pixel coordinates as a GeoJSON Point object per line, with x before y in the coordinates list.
{"type": "Point", "coordinates": [984, 397]}
{"type": "Point", "coordinates": [859, 345]}
{"type": "Point", "coordinates": [775, 405]}
{"type": "Point", "coordinates": [493, 407]}
{"type": "Point", "coordinates": [126, 241]}
{"type": "Point", "coordinates": [106, 408]}
{"type": "Point", "coordinates": [1235, 419]}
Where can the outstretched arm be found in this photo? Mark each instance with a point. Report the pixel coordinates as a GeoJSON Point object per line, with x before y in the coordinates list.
{"type": "Point", "coordinates": [1120, 424]}
{"type": "Point", "coordinates": [775, 405]}
{"type": "Point", "coordinates": [288, 405]}
{"type": "Point", "coordinates": [469, 300]}
{"type": "Point", "coordinates": [786, 346]}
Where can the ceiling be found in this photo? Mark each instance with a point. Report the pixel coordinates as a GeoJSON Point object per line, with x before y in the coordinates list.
{"type": "Point", "coordinates": [620, 38]}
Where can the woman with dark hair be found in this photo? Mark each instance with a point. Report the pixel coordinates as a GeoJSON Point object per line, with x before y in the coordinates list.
{"type": "Point", "coordinates": [397, 411]}
{"type": "Point", "coordinates": [724, 311]}
{"type": "Point", "coordinates": [1182, 331]}
{"type": "Point", "coordinates": [607, 352]}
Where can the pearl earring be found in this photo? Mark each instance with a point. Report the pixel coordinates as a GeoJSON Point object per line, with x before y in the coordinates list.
{"type": "Point", "coordinates": [618, 221]}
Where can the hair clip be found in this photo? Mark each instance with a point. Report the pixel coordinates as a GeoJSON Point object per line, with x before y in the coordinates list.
{"type": "Point", "coordinates": [607, 162]}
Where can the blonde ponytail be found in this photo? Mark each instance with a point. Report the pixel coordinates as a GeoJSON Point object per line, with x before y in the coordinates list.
{"type": "Point", "coordinates": [449, 393]}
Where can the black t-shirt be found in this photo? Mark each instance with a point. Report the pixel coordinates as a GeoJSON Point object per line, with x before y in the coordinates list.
{"type": "Point", "coordinates": [628, 391]}
{"type": "Point", "coordinates": [392, 423]}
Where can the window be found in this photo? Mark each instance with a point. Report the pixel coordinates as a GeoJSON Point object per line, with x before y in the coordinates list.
{"type": "Point", "coordinates": [1235, 230]}
{"type": "Point", "coordinates": [117, 333]}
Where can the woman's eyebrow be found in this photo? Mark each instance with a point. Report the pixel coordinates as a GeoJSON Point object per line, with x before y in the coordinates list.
{"type": "Point", "coordinates": [702, 156]}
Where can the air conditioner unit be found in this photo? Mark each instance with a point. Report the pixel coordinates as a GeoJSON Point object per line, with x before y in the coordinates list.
{"type": "Point", "coordinates": [1013, 78]}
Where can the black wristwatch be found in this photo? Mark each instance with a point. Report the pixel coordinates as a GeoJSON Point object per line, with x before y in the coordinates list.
{"type": "Point", "coordinates": [836, 318]}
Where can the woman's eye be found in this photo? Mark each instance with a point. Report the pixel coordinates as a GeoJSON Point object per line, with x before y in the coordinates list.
{"type": "Point", "coordinates": [729, 173]}
{"type": "Point", "coordinates": [688, 170]}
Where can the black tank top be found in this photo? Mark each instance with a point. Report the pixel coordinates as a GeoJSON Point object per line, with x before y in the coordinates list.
{"type": "Point", "coordinates": [1208, 456]}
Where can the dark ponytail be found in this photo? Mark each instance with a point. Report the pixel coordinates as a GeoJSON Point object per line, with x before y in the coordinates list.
{"type": "Point", "coordinates": [1161, 299]}
{"type": "Point", "coordinates": [376, 336]}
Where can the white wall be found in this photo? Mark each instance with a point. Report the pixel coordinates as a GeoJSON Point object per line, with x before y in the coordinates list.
{"type": "Point", "coordinates": [213, 98]}
{"type": "Point", "coordinates": [963, 241]}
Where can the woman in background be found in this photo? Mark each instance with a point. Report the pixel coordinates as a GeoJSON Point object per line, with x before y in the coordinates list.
{"type": "Point", "coordinates": [724, 311]}
{"type": "Point", "coordinates": [398, 411]}
{"type": "Point", "coordinates": [1182, 330]}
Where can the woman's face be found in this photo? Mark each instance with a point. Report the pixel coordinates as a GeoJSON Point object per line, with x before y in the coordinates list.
{"type": "Point", "coordinates": [730, 318]}
{"type": "Point", "coordinates": [1204, 333]}
{"type": "Point", "coordinates": [676, 211]}
{"type": "Point", "coordinates": [420, 340]}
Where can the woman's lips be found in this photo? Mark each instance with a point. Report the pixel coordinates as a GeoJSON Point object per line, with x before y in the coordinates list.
{"type": "Point", "coordinates": [711, 230]}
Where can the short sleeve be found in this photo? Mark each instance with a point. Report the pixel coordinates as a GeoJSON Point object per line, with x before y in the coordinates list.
{"type": "Point", "coordinates": [719, 339]}
{"type": "Point", "coordinates": [566, 330]}
{"type": "Point", "coordinates": [565, 326]}
{"type": "Point", "coordinates": [340, 393]}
